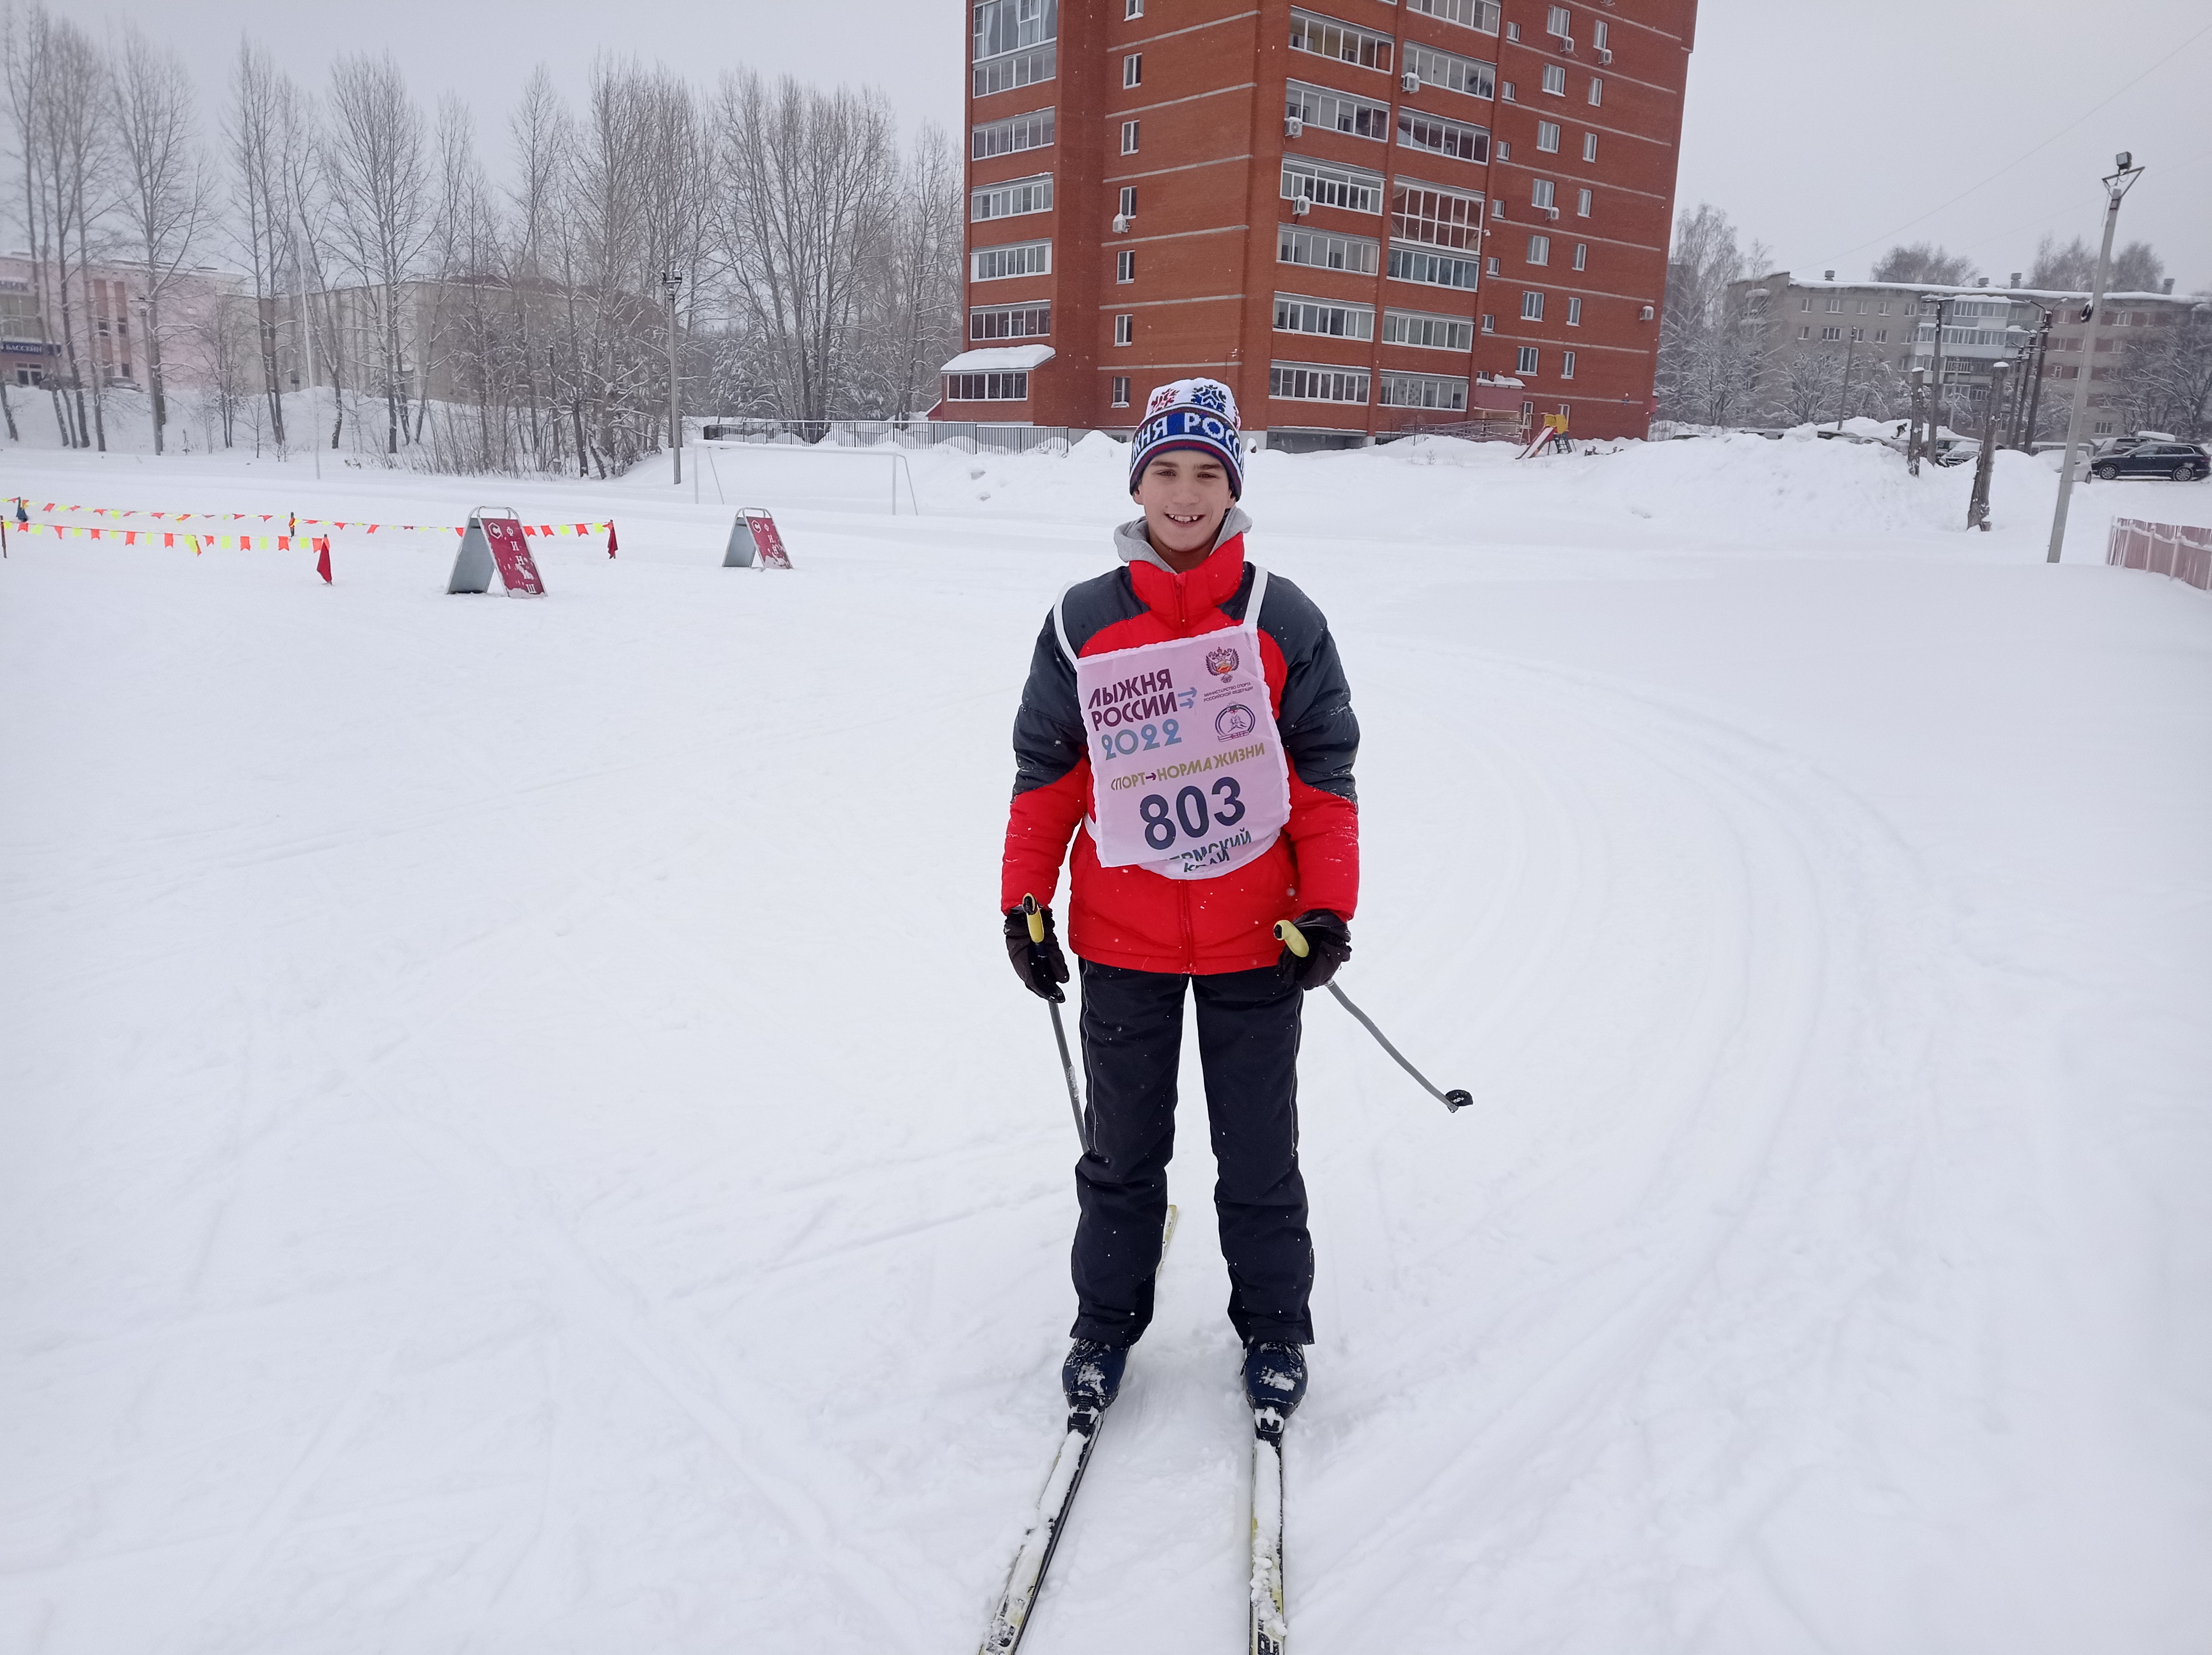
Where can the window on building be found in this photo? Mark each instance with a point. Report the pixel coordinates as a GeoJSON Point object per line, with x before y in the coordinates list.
{"type": "Point", "coordinates": [987, 387]}
{"type": "Point", "coordinates": [1490, 266]}
{"type": "Point", "coordinates": [1581, 204]}
{"type": "Point", "coordinates": [1013, 135]}
{"type": "Point", "coordinates": [1532, 306]}
{"type": "Point", "coordinates": [1596, 91]}
{"type": "Point", "coordinates": [1581, 255]}
{"type": "Point", "coordinates": [1555, 80]}
{"type": "Point", "coordinates": [1330, 317]}
{"type": "Point", "coordinates": [1857, 334]}
{"type": "Point", "coordinates": [1432, 268]}
{"type": "Point", "coordinates": [1020, 258]}
{"type": "Point", "coordinates": [1441, 137]}
{"type": "Point", "coordinates": [1326, 38]}
{"type": "Point", "coordinates": [1540, 249]}
{"type": "Point", "coordinates": [1352, 188]}
{"type": "Point", "coordinates": [1125, 330]}
{"type": "Point", "coordinates": [1567, 364]}
{"type": "Point", "coordinates": [1120, 381]}
{"type": "Point", "coordinates": [1012, 199]}
{"type": "Point", "coordinates": [1125, 267]}
{"type": "Point", "coordinates": [1881, 336]}
{"type": "Point", "coordinates": [1547, 136]}
{"type": "Point", "coordinates": [1574, 312]}
{"type": "Point", "coordinates": [1543, 194]}
{"type": "Point", "coordinates": [1489, 324]}
{"type": "Point", "coordinates": [1589, 146]}
{"type": "Point", "coordinates": [1469, 75]}
{"type": "Point", "coordinates": [1513, 31]}
{"type": "Point", "coordinates": [1467, 14]}
{"type": "Point", "coordinates": [1832, 333]}
{"type": "Point", "coordinates": [1128, 138]}
{"type": "Point", "coordinates": [1013, 44]}
{"type": "Point", "coordinates": [1506, 94]}
{"type": "Point", "coordinates": [1132, 70]}
{"type": "Point", "coordinates": [1010, 322]}
{"type": "Point", "coordinates": [1804, 332]}
{"type": "Point", "coordinates": [1132, 9]}
{"type": "Point", "coordinates": [1883, 309]}
{"type": "Point", "coordinates": [1804, 301]}
{"type": "Point", "coordinates": [1312, 382]}
{"type": "Point", "coordinates": [1426, 331]}
{"type": "Point", "coordinates": [1525, 362]}
{"type": "Point", "coordinates": [1835, 304]}
{"type": "Point", "coordinates": [1128, 207]}
{"type": "Point", "coordinates": [1559, 21]}
{"type": "Point", "coordinates": [1504, 150]}
{"type": "Point", "coordinates": [1322, 250]}
{"type": "Point", "coordinates": [1337, 112]}
{"type": "Point", "coordinates": [1422, 390]}
{"type": "Point", "coordinates": [1442, 218]}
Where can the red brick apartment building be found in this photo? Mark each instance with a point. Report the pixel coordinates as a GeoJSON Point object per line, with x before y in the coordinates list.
{"type": "Point", "coordinates": [1360, 214]}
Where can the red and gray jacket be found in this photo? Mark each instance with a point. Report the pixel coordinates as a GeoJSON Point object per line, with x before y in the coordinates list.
{"type": "Point", "coordinates": [1130, 916]}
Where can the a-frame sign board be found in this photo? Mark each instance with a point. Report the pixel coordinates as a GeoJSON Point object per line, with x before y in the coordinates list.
{"type": "Point", "coordinates": [753, 537]}
{"type": "Point", "coordinates": [493, 540]}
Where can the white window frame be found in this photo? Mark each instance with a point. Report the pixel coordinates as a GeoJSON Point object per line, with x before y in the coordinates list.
{"type": "Point", "coordinates": [1125, 330]}
{"type": "Point", "coordinates": [1446, 393]}
{"type": "Point", "coordinates": [978, 316]}
{"type": "Point", "coordinates": [1423, 219]}
{"type": "Point", "coordinates": [1559, 21]}
{"type": "Point", "coordinates": [1322, 36]}
{"type": "Point", "coordinates": [1489, 324]}
{"type": "Point", "coordinates": [1021, 196]}
{"type": "Point", "coordinates": [1366, 253]}
{"type": "Point", "coordinates": [1574, 310]}
{"type": "Point", "coordinates": [1306, 381]}
{"type": "Point", "coordinates": [1581, 255]}
{"type": "Point", "coordinates": [1532, 305]}
{"type": "Point", "coordinates": [1596, 91]}
{"type": "Point", "coordinates": [1567, 364]}
{"type": "Point", "coordinates": [1128, 138]}
{"type": "Point", "coordinates": [1333, 111]}
{"type": "Point", "coordinates": [1470, 77]}
{"type": "Point", "coordinates": [1548, 134]}
{"type": "Point", "coordinates": [1128, 200]}
{"type": "Point", "coordinates": [1424, 330]}
{"type": "Point", "coordinates": [1132, 70]}
{"type": "Point", "coordinates": [1540, 250]}
{"type": "Point", "coordinates": [1301, 314]}
{"type": "Point", "coordinates": [1326, 184]}
{"type": "Point", "coordinates": [1434, 267]}
{"type": "Point", "coordinates": [1584, 200]}
{"type": "Point", "coordinates": [1132, 9]}
{"type": "Point", "coordinates": [1480, 15]}
{"type": "Point", "coordinates": [1527, 361]}
{"type": "Point", "coordinates": [1034, 129]}
{"type": "Point", "coordinates": [1543, 193]}
{"type": "Point", "coordinates": [1118, 386]}
{"type": "Point", "coordinates": [1555, 80]}
{"type": "Point", "coordinates": [1459, 140]}
{"type": "Point", "coordinates": [1125, 265]}
{"type": "Point", "coordinates": [995, 387]}
{"type": "Point", "coordinates": [1589, 146]}
{"type": "Point", "coordinates": [1034, 257]}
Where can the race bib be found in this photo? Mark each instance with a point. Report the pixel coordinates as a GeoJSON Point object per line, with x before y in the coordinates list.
{"type": "Point", "coordinates": [1188, 775]}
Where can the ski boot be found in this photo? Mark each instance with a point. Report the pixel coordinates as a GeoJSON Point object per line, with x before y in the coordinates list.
{"type": "Point", "coordinates": [1274, 1383]}
{"type": "Point", "coordinates": [1091, 1377]}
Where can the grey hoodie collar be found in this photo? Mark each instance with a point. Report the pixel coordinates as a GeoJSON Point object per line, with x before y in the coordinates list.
{"type": "Point", "coordinates": [1131, 545]}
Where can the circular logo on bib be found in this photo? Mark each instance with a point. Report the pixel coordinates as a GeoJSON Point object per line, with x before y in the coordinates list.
{"type": "Point", "coordinates": [1235, 720]}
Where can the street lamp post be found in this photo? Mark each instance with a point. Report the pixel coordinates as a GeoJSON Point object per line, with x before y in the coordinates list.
{"type": "Point", "coordinates": [2117, 183]}
{"type": "Point", "coordinates": [671, 282]}
{"type": "Point", "coordinates": [1919, 378]}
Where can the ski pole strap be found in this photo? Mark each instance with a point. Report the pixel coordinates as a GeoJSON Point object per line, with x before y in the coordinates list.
{"type": "Point", "coordinates": [1036, 918]}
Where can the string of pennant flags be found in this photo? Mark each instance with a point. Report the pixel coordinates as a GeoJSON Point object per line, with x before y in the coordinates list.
{"type": "Point", "coordinates": [172, 532]}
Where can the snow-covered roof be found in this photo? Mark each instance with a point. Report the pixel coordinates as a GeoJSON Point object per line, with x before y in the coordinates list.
{"type": "Point", "coordinates": [1967, 290]}
{"type": "Point", "coordinates": [1000, 359]}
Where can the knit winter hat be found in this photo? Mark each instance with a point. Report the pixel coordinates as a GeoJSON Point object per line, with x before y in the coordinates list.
{"type": "Point", "coordinates": [1198, 414]}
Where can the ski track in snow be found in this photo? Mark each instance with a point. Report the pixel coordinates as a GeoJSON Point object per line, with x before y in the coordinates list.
{"type": "Point", "coordinates": [515, 1152]}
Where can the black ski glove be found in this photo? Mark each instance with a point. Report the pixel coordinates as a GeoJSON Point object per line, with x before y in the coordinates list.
{"type": "Point", "coordinates": [1040, 966]}
{"type": "Point", "coordinates": [1329, 945]}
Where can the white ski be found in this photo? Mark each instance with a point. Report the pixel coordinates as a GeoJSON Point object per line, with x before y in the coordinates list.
{"type": "Point", "coordinates": [1271, 1630]}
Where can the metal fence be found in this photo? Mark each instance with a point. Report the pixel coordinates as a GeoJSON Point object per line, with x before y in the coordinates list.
{"type": "Point", "coordinates": [2176, 549]}
{"type": "Point", "coordinates": [970, 437]}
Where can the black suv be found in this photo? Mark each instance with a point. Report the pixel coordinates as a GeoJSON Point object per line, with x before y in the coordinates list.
{"type": "Point", "coordinates": [2185, 462]}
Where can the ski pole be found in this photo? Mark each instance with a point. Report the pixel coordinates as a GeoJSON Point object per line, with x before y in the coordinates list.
{"type": "Point", "coordinates": [1295, 941]}
{"type": "Point", "coordinates": [1059, 1031]}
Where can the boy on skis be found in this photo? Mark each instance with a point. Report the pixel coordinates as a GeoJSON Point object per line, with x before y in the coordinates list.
{"type": "Point", "coordinates": [1190, 714]}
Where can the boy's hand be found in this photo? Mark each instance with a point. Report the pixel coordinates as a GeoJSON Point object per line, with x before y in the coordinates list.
{"type": "Point", "coordinates": [1040, 966]}
{"type": "Point", "coordinates": [1329, 945]}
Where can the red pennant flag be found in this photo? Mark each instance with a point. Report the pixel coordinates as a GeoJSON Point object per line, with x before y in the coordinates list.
{"type": "Point", "coordinates": [323, 557]}
{"type": "Point", "coordinates": [611, 537]}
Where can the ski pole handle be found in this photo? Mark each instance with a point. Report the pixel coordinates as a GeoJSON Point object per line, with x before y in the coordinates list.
{"type": "Point", "coordinates": [1292, 939]}
{"type": "Point", "coordinates": [1036, 917]}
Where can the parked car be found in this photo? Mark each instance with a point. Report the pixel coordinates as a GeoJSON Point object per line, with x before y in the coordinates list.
{"type": "Point", "coordinates": [2185, 462]}
{"type": "Point", "coordinates": [1955, 451]}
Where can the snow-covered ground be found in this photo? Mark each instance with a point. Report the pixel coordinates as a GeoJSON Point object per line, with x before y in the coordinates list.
{"type": "Point", "coordinates": [516, 1132]}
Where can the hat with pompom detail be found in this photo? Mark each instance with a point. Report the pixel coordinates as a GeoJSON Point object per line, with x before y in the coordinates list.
{"type": "Point", "coordinates": [1198, 414]}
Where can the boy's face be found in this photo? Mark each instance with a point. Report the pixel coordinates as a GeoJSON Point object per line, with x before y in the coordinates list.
{"type": "Point", "coordinates": [1185, 494]}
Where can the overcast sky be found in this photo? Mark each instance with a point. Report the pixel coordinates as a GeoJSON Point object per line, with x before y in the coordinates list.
{"type": "Point", "coordinates": [1828, 131]}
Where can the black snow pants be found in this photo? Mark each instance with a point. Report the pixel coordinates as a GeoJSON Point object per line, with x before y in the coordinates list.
{"type": "Point", "coordinates": [1248, 1041]}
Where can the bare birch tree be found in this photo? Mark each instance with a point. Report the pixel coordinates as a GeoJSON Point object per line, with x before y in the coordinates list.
{"type": "Point", "coordinates": [379, 185]}
{"type": "Point", "coordinates": [166, 186]}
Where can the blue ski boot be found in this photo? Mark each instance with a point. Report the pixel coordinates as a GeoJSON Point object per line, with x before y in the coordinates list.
{"type": "Point", "coordinates": [1274, 1383]}
{"type": "Point", "coordinates": [1092, 1377]}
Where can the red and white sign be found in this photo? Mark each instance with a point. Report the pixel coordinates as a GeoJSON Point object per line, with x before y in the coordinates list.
{"type": "Point", "coordinates": [766, 542]}
{"type": "Point", "coordinates": [494, 541]}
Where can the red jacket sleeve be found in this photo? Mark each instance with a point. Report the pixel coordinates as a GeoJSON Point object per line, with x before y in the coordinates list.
{"type": "Point", "coordinates": [1039, 823]}
{"type": "Point", "coordinates": [1324, 835]}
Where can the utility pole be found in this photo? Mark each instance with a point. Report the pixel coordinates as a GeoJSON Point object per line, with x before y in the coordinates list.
{"type": "Point", "coordinates": [671, 282]}
{"type": "Point", "coordinates": [1936, 375]}
{"type": "Point", "coordinates": [1919, 377]}
{"type": "Point", "coordinates": [2035, 390]}
{"type": "Point", "coordinates": [1978, 509]}
{"type": "Point", "coordinates": [2117, 183]}
{"type": "Point", "coordinates": [1844, 396]}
